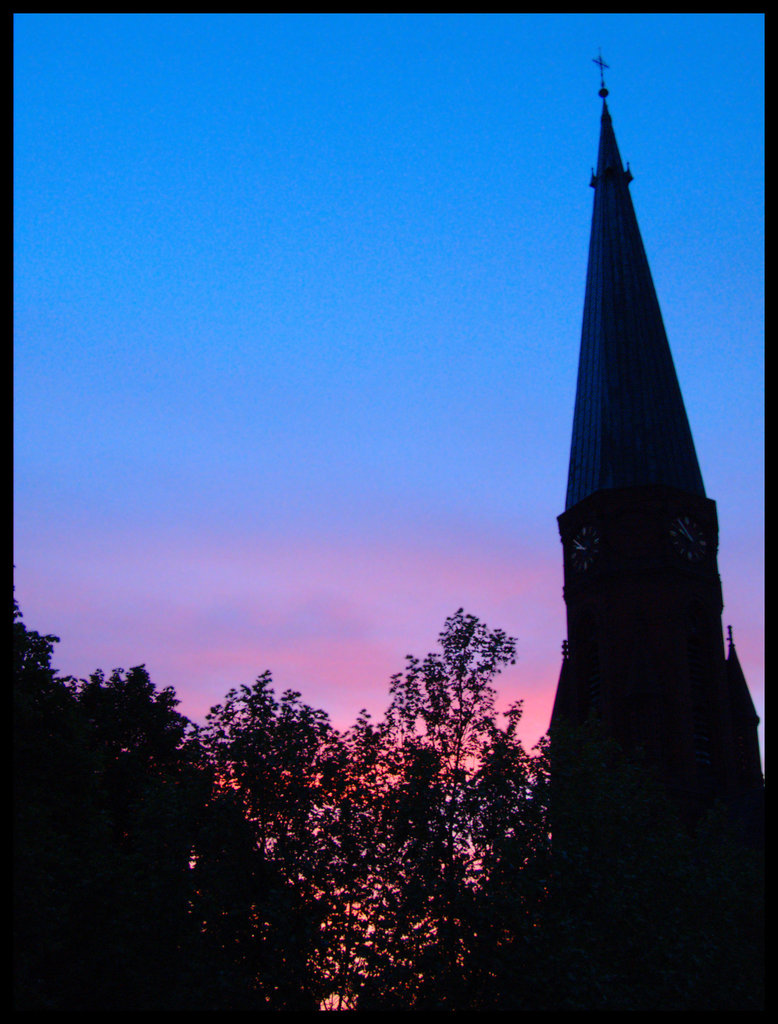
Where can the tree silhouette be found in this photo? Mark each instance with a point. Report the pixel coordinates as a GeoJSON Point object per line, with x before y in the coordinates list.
{"type": "Point", "coordinates": [266, 861]}
{"type": "Point", "coordinates": [274, 757]}
{"type": "Point", "coordinates": [427, 786]}
{"type": "Point", "coordinates": [105, 799]}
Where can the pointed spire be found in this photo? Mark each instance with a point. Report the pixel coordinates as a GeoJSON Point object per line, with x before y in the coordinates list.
{"type": "Point", "coordinates": [630, 426]}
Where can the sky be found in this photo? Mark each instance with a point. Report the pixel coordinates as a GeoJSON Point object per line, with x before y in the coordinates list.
{"type": "Point", "coordinates": [297, 309]}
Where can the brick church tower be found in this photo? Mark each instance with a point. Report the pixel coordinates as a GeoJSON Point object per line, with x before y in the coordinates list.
{"type": "Point", "coordinates": [645, 651]}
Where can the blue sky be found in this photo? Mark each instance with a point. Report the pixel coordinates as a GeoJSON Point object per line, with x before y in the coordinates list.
{"type": "Point", "coordinates": [297, 313]}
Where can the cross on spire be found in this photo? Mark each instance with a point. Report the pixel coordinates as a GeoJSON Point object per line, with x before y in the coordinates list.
{"type": "Point", "coordinates": [602, 65]}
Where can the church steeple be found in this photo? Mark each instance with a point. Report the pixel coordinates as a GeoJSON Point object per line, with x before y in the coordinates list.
{"type": "Point", "coordinates": [630, 426]}
{"type": "Point", "coordinates": [644, 651]}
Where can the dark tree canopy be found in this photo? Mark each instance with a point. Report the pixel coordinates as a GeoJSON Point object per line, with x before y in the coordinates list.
{"type": "Point", "coordinates": [265, 861]}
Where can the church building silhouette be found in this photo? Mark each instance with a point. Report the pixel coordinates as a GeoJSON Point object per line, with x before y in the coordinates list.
{"type": "Point", "coordinates": [645, 649]}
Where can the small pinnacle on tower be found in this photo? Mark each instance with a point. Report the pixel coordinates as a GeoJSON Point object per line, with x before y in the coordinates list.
{"type": "Point", "coordinates": [602, 65]}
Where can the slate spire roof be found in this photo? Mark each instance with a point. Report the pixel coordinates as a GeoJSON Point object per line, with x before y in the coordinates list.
{"type": "Point", "coordinates": [630, 426]}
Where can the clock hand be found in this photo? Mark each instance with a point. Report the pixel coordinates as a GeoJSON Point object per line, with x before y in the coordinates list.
{"type": "Point", "coordinates": [685, 532]}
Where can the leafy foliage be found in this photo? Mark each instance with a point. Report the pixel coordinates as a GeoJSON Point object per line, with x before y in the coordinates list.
{"type": "Point", "coordinates": [264, 860]}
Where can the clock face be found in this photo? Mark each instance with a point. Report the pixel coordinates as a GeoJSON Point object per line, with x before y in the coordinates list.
{"type": "Point", "coordinates": [585, 548]}
{"type": "Point", "coordinates": [688, 538]}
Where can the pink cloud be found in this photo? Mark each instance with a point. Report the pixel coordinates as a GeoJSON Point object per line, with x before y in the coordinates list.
{"type": "Point", "coordinates": [330, 617]}
{"type": "Point", "coordinates": [333, 619]}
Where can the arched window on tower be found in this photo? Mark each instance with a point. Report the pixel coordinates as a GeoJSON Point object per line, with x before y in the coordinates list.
{"type": "Point", "coordinates": [588, 667]}
{"type": "Point", "coordinates": [701, 697]}
{"type": "Point", "coordinates": [644, 700]}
